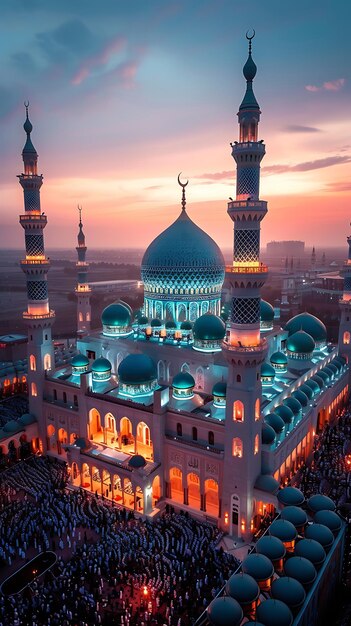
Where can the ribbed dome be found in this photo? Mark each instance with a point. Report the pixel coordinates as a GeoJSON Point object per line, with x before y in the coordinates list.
{"type": "Point", "coordinates": [301, 397]}
{"type": "Point", "coordinates": [315, 388]}
{"type": "Point", "coordinates": [136, 369]}
{"type": "Point", "coordinates": [285, 413]}
{"type": "Point", "coordinates": [310, 324]}
{"type": "Point", "coordinates": [306, 390]}
{"type": "Point", "coordinates": [209, 327]}
{"type": "Point", "coordinates": [275, 421]}
{"type": "Point", "coordinates": [182, 257]}
{"type": "Point", "coordinates": [293, 404]}
{"type": "Point", "coordinates": [300, 342]}
{"type": "Point", "coordinates": [116, 314]}
{"type": "Point", "coordinates": [183, 380]}
{"type": "Point", "coordinates": [266, 311]}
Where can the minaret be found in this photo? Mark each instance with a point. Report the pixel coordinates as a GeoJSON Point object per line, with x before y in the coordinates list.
{"type": "Point", "coordinates": [82, 289]}
{"type": "Point", "coordinates": [313, 259]}
{"type": "Point", "coordinates": [243, 348]}
{"type": "Point", "coordinates": [39, 317]}
{"type": "Point", "coordinates": [345, 307]}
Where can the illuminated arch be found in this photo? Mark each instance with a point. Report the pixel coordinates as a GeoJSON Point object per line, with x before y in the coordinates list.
{"type": "Point", "coordinates": [144, 444]}
{"type": "Point", "coordinates": [212, 497]}
{"type": "Point", "coordinates": [85, 477]}
{"type": "Point", "coordinates": [238, 411]}
{"type": "Point", "coordinates": [33, 389]}
{"type": "Point", "coordinates": [32, 363]}
{"type": "Point", "coordinates": [156, 490]}
{"type": "Point", "coordinates": [257, 409]}
{"type": "Point", "coordinates": [47, 361]}
{"type": "Point", "coordinates": [80, 316]}
{"type": "Point", "coordinates": [346, 337]}
{"type": "Point", "coordinates": [94, 424]}
{"type": "Point", "coordinates": [237, 449]}
{"type": "Point", "coordinates": [200, 378]}
{"type": "Point", "coordinates": [176, 484]}
{"type": "Point", "coordinates": [257, 444]}
{"type": "Point", "coordinates": [194, 497]}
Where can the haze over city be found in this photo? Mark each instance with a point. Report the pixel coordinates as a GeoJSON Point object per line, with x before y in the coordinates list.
{"type": "Point", "coordinates": [120, 105]}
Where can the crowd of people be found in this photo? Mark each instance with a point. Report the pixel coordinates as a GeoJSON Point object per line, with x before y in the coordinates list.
{"type": "Point", "coordinates": [330, 469]}
{"type": "Point", "coordinates": [111, 568]}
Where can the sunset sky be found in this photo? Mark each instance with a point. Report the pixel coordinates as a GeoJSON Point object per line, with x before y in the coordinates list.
{"type": "Point", "coordinates": [125, 94]}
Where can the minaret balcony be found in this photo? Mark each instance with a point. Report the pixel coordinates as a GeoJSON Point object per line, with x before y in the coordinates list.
{"type": "Point", "coordinates": [82, 289]}
{"type": "Point", "coordinates": [35, 218]}
{"type": "Point", "coordinates": [82, 264]}
{"type": "Point", "coordinates": [38, 316]}
{"type": "Point", "coordinates": [256, 148]}
{"type": "Point", "coordinates": [35, 261]}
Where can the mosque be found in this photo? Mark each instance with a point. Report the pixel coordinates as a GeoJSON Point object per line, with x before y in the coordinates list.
{"type": "Point", "coordinates": [203, 405]}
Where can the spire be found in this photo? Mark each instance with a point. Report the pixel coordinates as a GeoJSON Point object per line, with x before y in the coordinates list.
{"type": "Point", "coordinates": [183, 185]}
{"type": "Point", "coordinates": [28, 127]}
{"type": "Point", "coordinates": [81, 236]}
{"type": "Point", "coordinates": [249, 71]}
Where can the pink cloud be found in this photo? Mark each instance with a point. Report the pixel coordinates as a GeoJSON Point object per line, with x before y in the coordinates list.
{"type": "Point", "coordinates": [100, 59]}
{"type": "Point", "coordinates": [331, 85]}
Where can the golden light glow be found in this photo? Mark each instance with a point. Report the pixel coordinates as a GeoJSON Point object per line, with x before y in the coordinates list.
{"type": "Point", "coordinates": [246, 264]}
{"type": "Point", "coordinates": [226, 518]}
{"type": "Point", "coordinates": [38, 309]}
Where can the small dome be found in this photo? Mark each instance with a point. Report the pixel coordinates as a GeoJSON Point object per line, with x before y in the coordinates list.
{"type": "Point", "coordinates": [170, 324]}
{"type": "Point", "coordinates": [116, 314]}
{"type": "Point", "coordinates": [300, 343]}
{"type": "Point", "coordinates": [301, 569]}
{"type": "Point", "coordinates": [271, 547]}
{"type": "Point", "coordinates": [329, 519]}
{"type": "Point", "coordinates": [275, 421]}
{"type": "Point", "coordinates": [284, 530]}
{"type": "Point", "coordinates": [317, 379]}
{"type": "Point", "coordinates": [311, 550]}
{"type": "Point", "coordinates": [329, 371]}
{"type": "Point", "coordinates": [266, 311]}
{"type": "Point", "coordinates": [319, 502]}
{"type": "Point", "coordinates": [285, 413]}
{"type": "Point", "coordinates": [300, 396]}
{"type": "Point", "coordinates": [250, 69]}
{"type": "Point", "coordinates": [209, 327]}
{"type": "Point", "coordinates": [313, 386]}
{"type": "Point", "coordinates": [279, 358]}
{"type": "Point", "coordinates": [290, 591]}
{"type": "Point", "coordinates": [267, 371]}
{"type": "Point", "coordinates": [136, 369]}
{"type": "Point", "coordinates": [12, 426]}
{"type": "Point", "coordinates": [156, 323]}
{"type": "Point", "coordinates": [333, 368]}
{"type": "Point", "coordinates": [320, 533]}
{"type": "Point", "coordinates": [291, 496]}
{"type": "Point", "coordinates": [28, 127]}
{"type": "Point", "coordinates": [27, 418]}
{"type": "Point", "coordinates": [143, 321]}
{"type": "Point", "coordinates": [308, 323]}
{"type": "Point", "coordinates": [268, 434]}
{"type": "Point", "coordinates": [186, 325]}
{"type": "Point", "coordinates": [293, 404]}
{"type": "Point", "coordinates": [324, 376]}
{"type": "Point", "coordinates": [80, 360]}
{"type": "Point", "coordinates": [137, 461]}
{"type": "Point", "coordinates": [306, 390]}
{"type": "Point", "coordinates": [258, 566]}
{"type": "Point", "coordinates": [295, 515]}
{"type": "Point", "coordinates": [101, 365]}
{"type": "Point", "coordinates": [267, 483]}
{"type": "Point", "coordinates": [183, 380]}
{"type": "Point", "coordinates": [219, 389]}
{"type": "Point", "coordinates": [243, 588]}
{"type": "Point", "coordinates": [274, 613]}
{"type": "Point", "coordinates": [225, 611]}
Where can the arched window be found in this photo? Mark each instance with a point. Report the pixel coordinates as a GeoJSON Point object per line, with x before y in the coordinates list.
{"type": "Point", "coordinates": [55, 394]}
{"type": "Point", "coordinates": [346, 337]}
{"type": "Point", "coordinates": [238, 378]}
{"type": "Point", "coordinates": [257, 409]}
{"type": "Point", "coordinates": [194, 433]}
{"type": "Point", "coordinates": [185, 368]}
{"type": "Point", "coordinates": [179, 430]}
{"type": "Point", "coordinates": [47, 362]}
{"type": "Point", "coordinates": [75, 400]}
{"type": "Point", "coordinates": [80, 316]}
{"type": "Point", "coordinates": [64, 397]}
{"type": "Point", "coordinates": [256, 448]}
{"type": "Point", "coordinates": [211, 438]}
{"type": "Point", "coordinates": [34, 391]}
{"type": "Point", "coordinates": [87, 317]}
{"type": "Point", "coordinates": [237, 447]}
{"type": "Point", "coordinates": [238, 411]}
{"type": "Point", "coordinates": [32, 363]}
{"type": "Point", "coordinates": [200, 378]}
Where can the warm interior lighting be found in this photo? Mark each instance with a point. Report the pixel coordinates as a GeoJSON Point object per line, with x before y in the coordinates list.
{"type": "Point", "coordinates": [226, 518]}
{"type": "Point", "coordinates": [145, 591]}
{"type": "Point", "coordinates": [38, 309]}
{"type": "Point", "coordinates": [246, 264]}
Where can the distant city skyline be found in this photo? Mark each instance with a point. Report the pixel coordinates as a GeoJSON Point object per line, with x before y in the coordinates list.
{"type": "Point", "coordinates": [123, 97]}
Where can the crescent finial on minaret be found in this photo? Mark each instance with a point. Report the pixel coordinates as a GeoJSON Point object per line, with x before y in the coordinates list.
{"type": "Point", "coordinates": [183, 185]}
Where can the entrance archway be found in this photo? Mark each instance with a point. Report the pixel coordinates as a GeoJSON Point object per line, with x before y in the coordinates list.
{"type": "Point", "coordinates": [139, 499]}
{"type": "Point", "coordinates": [96, 480]}
{"type": "Point", "coordinates": [110, 429]}
{"type": "Point", "coordinates": [126, 436]}
{"type": "Point", "coordinates": [144, 444]}
{"type": "Point", "coordinates": [106, 484]}
{"type": "Point", "coordinates": [117, 489]}
{"type": "Point", "coordinates": [194, 497]}
{"type": "Point", "coordinates": [176, 484]}
{"type": "Point", "coordinates": [212, 497]}
{"type": "Point", "coordinates": [156, 490]}
{"type": "Point", "coordinates": [128, 494]}
{"type": "Point", "coordinates": [94, 430]}
{"type": "Point", "coordinates": [85, 476]}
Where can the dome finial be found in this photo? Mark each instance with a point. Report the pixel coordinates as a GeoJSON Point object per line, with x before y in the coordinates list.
{"type": "Point", "coordinates": [250, 69]}
{"type": "Point", "coordinates": [27, 124]}
{"type": "Point", "coordinates": [250, 38]}
{"type": "Point", "coordinates": [183, 185]}
{"type": "Point", "coordinates": [80, 216]}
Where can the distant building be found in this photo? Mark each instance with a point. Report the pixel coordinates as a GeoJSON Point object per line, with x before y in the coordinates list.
{"type": "Point", "coordinates": [295, 249]}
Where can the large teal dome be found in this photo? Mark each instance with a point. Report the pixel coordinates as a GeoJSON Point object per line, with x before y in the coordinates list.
{"type": "Point", "coordinates": [116, 314]}
{"type": "Point", "coordinates": [310, 324]}
{"type": "Point", "coordinates": [266, 315]}
{"type": "Point", "coordinates": [300, 342]}
{"type": "Point", "coordinates": [137, 369]}
{"type": "Point", "coordinates": [183, 257]}
{"type": "Point", "coordinates": [209, 327]}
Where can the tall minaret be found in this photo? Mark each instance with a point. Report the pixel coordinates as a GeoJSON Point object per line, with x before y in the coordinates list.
{"type": "Point", "coordinates": [345, 307]}
{"type": "Point", "coordinates": [243, 348]}
{"type": "Point", "coordinates": [39, 317]}
{"type": "Point", "coordinates": [82, 289]}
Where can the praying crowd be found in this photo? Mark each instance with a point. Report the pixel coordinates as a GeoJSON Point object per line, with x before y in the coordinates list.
{"type": "Point", "coordinates": [111, 568]}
